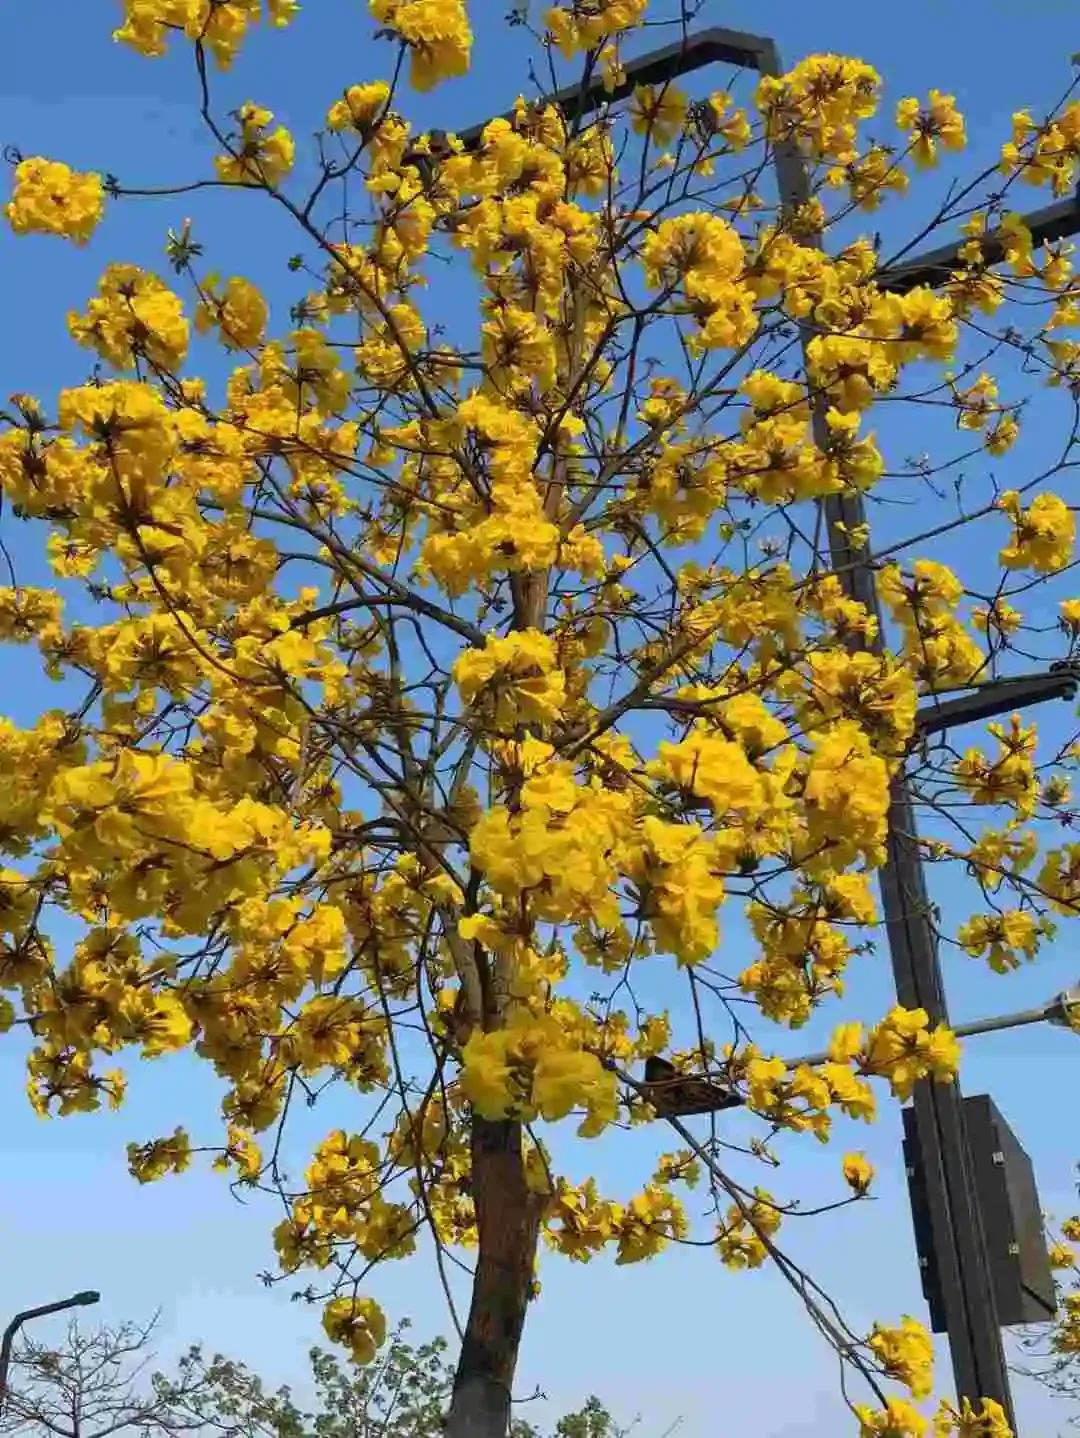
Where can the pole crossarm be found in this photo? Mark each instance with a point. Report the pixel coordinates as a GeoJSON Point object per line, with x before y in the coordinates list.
{"type": "Point", "coordinates": [715, 46]}
{"type": "Point", "coordinates": [1063, 1010]}
{"type": "Point", "coordinates": [999, 696]}
{"type": "Point", "coordinates": [1052, 222]}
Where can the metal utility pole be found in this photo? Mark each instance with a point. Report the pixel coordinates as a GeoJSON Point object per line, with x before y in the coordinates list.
{"type": "Point", "coordinates": [959, 1243]}
{"type": "Point", "coordinates": [77, 1300]}
{"type": "Point", "coordinates": [964, 1269]}
{"type": "Point", "coordinates": [973, 1325]}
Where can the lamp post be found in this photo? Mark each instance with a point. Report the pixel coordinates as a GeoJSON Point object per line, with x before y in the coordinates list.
{"type": "Point", "coordinates": [1063, 1010]}
{"type": "Point", "coordinates": [77, 1300]}
{"type": "Point", "coordinates": [937, 1118]}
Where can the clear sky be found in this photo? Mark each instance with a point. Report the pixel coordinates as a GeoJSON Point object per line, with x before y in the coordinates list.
{"type": "Point", "coordinates": [730, 1353]}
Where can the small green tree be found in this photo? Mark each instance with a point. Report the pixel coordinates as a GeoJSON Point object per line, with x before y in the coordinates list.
{"type": "Point", "coordinates": [1054, 1349]}
{"type": "Point", "coordinates": [406, 1394]}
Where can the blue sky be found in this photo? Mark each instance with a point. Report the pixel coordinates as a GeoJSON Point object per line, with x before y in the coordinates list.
{"type": "Point", "coordinates": [682, 1336]}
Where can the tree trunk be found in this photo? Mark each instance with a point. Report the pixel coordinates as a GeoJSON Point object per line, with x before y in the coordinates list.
{"type": "Point", "coordinates": [508, 1222]}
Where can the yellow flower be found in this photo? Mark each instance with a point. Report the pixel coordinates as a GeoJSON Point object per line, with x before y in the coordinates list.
{"type": "Point", "coordinates": [133, 315]}
{"type": "Point", "coordinates": [1000, 616]}
{"type": "Point", "coordinates": [518, 673]}
{"type": "Point", "coordinates": [650, 1220]}
{"type": "Point", "coordinates": [238, 312]}
{"type": "Point", "coordinates": [940, 122]}
{"type": "Point", "coordinates": [904, 1049]}
{"type": "Point", "coordinates": [260, 155]}
{"type": "Point", "coordinates": [532, 1067]}
{"type": "Point", "coordinates": [1045, 153]}
{"type": "Point", "coordinates": [898, 1419]}
{"type": "Point", "coordinates": [907, 1354]}
{"type": "Point", "coordinates": [987, 1420]}
{"type": "Point", "coordinates": [149, 1161]}
{"type": "Point", "coordinates": [437, 33]}
{"type": "Point", "coordinates": [221, 26]}
{"type": "Point", "coordinates": [821, 101]}
{"type": "Point", "coordinates": [977, 403]}
{"type": "Point", "coordinates": [1003, 435]}
{"type": "Point", "coordinates": [359, 1324]}
{"type": "Point", "coordinates": [487, 1079]}
{"type": "Point", "coordinates": [703, 254]}
{"type": "Point", "coordinates": [359, 107]}
{"type": "Point", "coordinates": [858, 1172]}
{"type": "Point", "coordinates": [51, 199]}
{"type": "Point", "coordinates": [587, 24]}
{"type": "Point", "coordinates": [1043, 534]}
{"type": "Point", "coordinates": [1002, 937]}
{"type": "Point", "coordinates": [732, 125]}
{"type": "Point", "coordinates": [742, 1240]}
{"type": "Point", "coordinates": [658, 112]}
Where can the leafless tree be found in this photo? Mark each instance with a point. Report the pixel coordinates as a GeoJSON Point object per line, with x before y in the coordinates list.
{"type": "Point", "coordinates": [95, 1385]}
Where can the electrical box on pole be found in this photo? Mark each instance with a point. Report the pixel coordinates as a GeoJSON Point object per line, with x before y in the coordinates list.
{"type": "Point", "coordinates": [1008, 1200]}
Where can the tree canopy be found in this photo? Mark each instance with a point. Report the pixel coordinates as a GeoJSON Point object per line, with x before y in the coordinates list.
{"type": "Point", "coordinates": [432, 686]}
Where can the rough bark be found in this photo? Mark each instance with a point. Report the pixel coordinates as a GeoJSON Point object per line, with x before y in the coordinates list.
{"type": "Point", "coordinates": [508, 1221]}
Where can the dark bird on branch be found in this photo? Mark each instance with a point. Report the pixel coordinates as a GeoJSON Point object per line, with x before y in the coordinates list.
{"type": "Point", "coordinates": [675, 1093]}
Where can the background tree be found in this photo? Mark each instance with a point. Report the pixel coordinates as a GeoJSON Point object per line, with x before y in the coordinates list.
{"type": "Point", "coordinates": [404, 1393]}
{"type": "Point", "coordinates": [98, 1384]}
{"type": "Point", "coordinates": [440, 664]}
{"type": "Point", "coordinates": [94, 1385]}
{"type": "Point", "coordinates": [1054, 1349]}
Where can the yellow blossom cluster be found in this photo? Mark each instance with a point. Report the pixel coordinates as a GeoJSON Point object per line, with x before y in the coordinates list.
{"type": "Point", "coordinates": [358, 1324]}
{"type": "Point", "coordinates": [221, 25]}
{"type": "Point", "coordinates": [237, 311]}
{"type": "Point", "coordinates": [149, 1161]}
{"type": "Point", "coordinates": [858, 1173]}
{"type": "Point", "coordinates": [1045, 153]}
{"type": "Point", "coordinates": [526, 1070]}
{"type": "Point", "coordinates": [700, 258]}
{"type": "Point", "coordinates": [902, 1048]}
{"type": "Point", "coordinates": [578, 1223]}
{"type": "Point", "coordinates": [50, 198]}
{"type": "Point", "coordinates": [1004, 938]}
{"type": "Point", "coordinates": [591, 24]}
{"type": "Point", "coordinates": [820, 103]}
{"type": "Point", "coordinates": [1044, 533]}
{"type": "Point", "coordinates": [905, 1353]}
{"type": "Point", "coordinates": [1008, 777]}
{"type": "Point", "coordinates": [436, 32]}
{"type": "Point", "coordinates": [937, 123]}
{"type": "Point", "coordinates": [938, 647]}
{"type": "Point", "coordinates": [743, 1238]}
{"type": "Point", "coordinates": [134, 315]}
{"type": "Point", "coordinates": [518, 674]}
{"type": "Point", "coordinates": [901, 1419]}
{"type": "Point", "coordinates": [257, 155]}
{"type": "Point", "coordinates": [344, 1200]}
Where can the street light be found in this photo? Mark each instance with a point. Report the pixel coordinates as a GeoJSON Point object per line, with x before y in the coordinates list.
{"type": "Point", "coordinates": [681, 1095]}
{"type": "Point", "coordinates": [82, 1299]}
{"type": "Point", "coordinates": [1003, 1178]}
{"type": "Point", "coordinates": [1062, 1010]}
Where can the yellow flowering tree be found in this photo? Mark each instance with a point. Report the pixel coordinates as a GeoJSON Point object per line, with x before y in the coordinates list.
{"type": "Point", "coordinates": [433, 684]}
